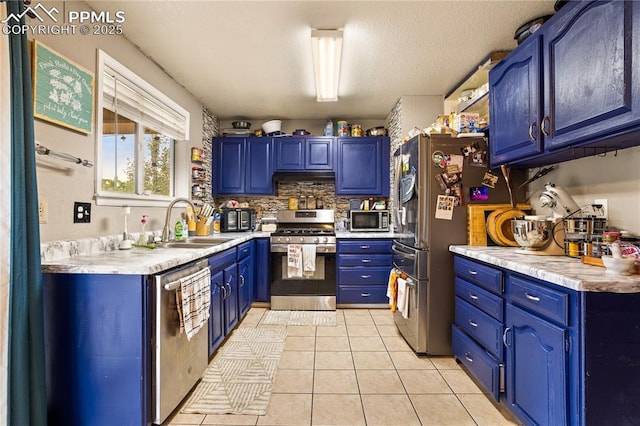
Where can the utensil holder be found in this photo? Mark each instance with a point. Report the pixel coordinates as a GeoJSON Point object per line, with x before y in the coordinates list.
{"type": "Point", "coordinates": [202, 229]}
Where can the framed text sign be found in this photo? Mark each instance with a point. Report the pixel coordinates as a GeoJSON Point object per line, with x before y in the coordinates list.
{"type": "Point", "coordinates": [62, 90]}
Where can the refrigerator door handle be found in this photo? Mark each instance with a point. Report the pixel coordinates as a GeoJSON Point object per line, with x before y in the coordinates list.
{"type": "Point", "coordinates": [402, 253]}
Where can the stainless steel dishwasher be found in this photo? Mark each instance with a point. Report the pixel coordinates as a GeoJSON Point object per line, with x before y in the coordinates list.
{"type": "Point", "coordinates": [177, 363]}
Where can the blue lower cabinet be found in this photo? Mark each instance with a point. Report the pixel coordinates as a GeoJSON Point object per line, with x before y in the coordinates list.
{"type": "Point", "coordinates": [478, 362]}
{"type": "Point", "coordinates": [216, 311]}
{"type": "Point", "coordinates": [261, 270]}
{"type": "Point", "coordinates": [230, 302]}
{"type": "Point", "coordinates": [97, 353]}
{"type": "Point", "coordinates": [536, 369]}
{"type": "Point", "coordinates": [363, 271]}
{"type": "Point", "coordinates": [245, 283]}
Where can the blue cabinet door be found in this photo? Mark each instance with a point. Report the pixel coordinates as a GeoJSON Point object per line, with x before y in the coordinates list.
{"type": "Point", "coordinates": [216, 312]}
{"type": "Point", "coordinates": [231, 298]}
{"type": "Point", "coordinates": [536, 368]}
{"type": "Point", "coordinates": [590, 78]}
{"type": "Point", "coordinates": [319, 153]}
{"type": "Point", "coordinates": [259, 161]}
{"type": "Point", "coordinates": [515, 102]}
{"type": "Point", "coordinates": [229, 165]}
{"type": "Point", "coordinates": [261, 269]}
{"type": "Point", "coordinates": [289, 153]}
{"type": "Point", "coordinates": [245, 282]}
{"type": "Point", "coordinates": [362, 166]}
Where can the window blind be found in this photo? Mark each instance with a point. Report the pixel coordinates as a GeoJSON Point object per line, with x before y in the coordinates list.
{"type": "Point", "coordinates": [125, 97]}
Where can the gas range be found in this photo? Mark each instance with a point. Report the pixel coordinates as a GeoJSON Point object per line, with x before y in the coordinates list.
{"type": "Point", "coordinates": [304, 227]}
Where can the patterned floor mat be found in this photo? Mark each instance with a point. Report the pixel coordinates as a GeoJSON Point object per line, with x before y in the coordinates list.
{"type": "Point", "coordinates": [240, 378]}
{"type": "Point", "coordinates": [327, 318]}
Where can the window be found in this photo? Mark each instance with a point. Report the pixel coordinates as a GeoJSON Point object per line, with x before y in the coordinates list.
{"type": "Point", "coordinates": [138, 128]}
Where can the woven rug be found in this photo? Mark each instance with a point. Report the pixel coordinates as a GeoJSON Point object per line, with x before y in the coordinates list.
{"type": "Point", "coordinates": [328, 318]}
{"type": "Point", "coordinates": [241, 376]}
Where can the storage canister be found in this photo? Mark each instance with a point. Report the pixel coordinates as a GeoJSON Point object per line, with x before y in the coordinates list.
{"type": "Point", "coordinates": [356, 130]}
{"type": "Point", "coordinates": [293, 203]}
{"type": "Point", "coordinates": [343, 128]}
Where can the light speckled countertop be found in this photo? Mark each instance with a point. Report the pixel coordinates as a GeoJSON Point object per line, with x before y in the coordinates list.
{"type": "Point", "coordinates": [101, 255]}
{"type": "Point", "coordinates": [561, 270]}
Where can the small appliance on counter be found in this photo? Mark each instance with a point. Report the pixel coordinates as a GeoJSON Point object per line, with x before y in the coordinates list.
{"type": "Point", "coordinates": [237, 219]}
{"type": "Point", "coordinates": [369, 220]}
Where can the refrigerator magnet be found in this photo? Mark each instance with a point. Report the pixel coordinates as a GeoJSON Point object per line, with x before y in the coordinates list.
{"type": "Point", "coordinates": [489, 180]}
{"type": "Point", "coordinates": [478, 159]}
{"type": "Point", "coordinates": [455, 160]}
{"type": "Point", "coordinates": [455, 191]}
{"type": "Point", "coordinates": [479, 193]}
{"type": "Point", "coordinates": [439, 159]}
{"type": "Point", "coordinates": [444, 207]}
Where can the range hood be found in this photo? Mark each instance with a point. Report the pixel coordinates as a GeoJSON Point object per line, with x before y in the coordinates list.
{"type": "Point", "coordinates": [304, 175]}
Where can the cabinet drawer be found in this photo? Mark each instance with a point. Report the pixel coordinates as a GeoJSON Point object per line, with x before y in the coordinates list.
{"type": "Point", "coordinates": [365, 260]}
{"type": "Point", "coordinates": [480, 326]}
{"type": "Point", "coordinates": [478, 362]}
{"type": "Point", "coordinates": [243, 250]}
{"type": "Point", "coordinates": [364, 246]}
{"type": "Point", "coordinates": [364, 276]}
{"type": "Point", "coordinates": [482, 299]}
{"type": "Point", "coordinates": [222, 260]}
{"type": "Point", "coordinates": [477, 273]}
{"type": "Point", "coordinates": [550, 303]}
{"type": "Point", "coordinates": [362, 294]}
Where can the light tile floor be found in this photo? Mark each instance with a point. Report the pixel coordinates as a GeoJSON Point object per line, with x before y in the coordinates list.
{"type": "Point", "coordinates": [361, 372]}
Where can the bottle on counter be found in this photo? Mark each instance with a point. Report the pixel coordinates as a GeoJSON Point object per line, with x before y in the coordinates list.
{"type": "Point", "coordinates": [319, 203]}
{"type": "Point", "coordinates": [328, 128]}
{"type": "Point", "coordinates": [302, 202]}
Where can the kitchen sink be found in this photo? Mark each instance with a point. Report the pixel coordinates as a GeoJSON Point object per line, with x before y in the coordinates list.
{"type": "Point", "coordinates": [195, 243]}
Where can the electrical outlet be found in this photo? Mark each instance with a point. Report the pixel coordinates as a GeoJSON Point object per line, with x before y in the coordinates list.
{"type": "Point", "coordinates": [81, 212]}
{"type": "Point", "coordinates": [43, 209]}
{"type": "Point", "coordinates": [604, 210]}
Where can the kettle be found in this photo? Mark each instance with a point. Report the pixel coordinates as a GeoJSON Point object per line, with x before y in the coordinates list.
{"type": "Point", "coordinates": [558, 200]}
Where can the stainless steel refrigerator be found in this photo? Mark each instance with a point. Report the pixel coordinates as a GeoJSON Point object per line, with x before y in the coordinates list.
{"type": "Point", "coordinates": [456, 169]}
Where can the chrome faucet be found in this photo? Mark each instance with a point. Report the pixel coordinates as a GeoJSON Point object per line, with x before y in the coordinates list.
{"type": "Point", "coordinates": [165, 230]}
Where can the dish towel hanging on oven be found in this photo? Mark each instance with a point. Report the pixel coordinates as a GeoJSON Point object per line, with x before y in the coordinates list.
{"type": "Point", "coordinates": [403, 297]}
{"type": "Point", "coordinates": [294, 260]}
{"type": "Point", "coordinates": [308, 260]}
{"type": "Point", "coordinates": [193, 299]}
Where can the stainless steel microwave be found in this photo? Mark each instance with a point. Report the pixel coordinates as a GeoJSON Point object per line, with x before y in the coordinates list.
{"type": "Point", "coordinates": [237, 219]}
{"type": "Point", "coordinates": [369, 221]}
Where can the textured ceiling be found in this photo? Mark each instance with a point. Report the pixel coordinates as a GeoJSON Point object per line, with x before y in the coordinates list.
{"type": "Point", "coordinates": [252, 59]}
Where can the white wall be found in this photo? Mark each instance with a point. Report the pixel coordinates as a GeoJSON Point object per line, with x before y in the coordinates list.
{"type": "Point", "coordinates": [615, 178]}
{"type": "Point", "coordinates": [63, 183]}
{"type": "Point", "coordinates": [419, 111]}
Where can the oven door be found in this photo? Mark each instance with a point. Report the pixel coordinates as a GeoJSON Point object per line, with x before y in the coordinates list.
{"type": "Point", "coordinates": [313, 291]}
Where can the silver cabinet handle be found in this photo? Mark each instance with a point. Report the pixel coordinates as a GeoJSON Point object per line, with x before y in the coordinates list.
{"type": "Point", "coordinates": [365, 247]}
{"type": "Point", "coordinates": [241, 280]}
{"type": "Point", "coordinates": [472, 272]}
{"type": "Point", "coordinates": [365, 294]}
{"type": "Point", "coordinates": [228, 286]}
{"type": "Point", "coordinates": [532, 127]}
{"type": "Point", "coordinates": [473, 296]}
{"type": "Point", "coordinates": [530, 297]}
{"type": "Point", "coordinates": [365, 276]}
{"type": "Point", "coordinates": [504, 337]}
{"type": "Point", "coordinates": [544, 126]}
{"type": "Point", "coordinates": [366, 260]}
{"type": "Point", "coordinates": [473, 324]}
{"type": "Point", "coordinates": [467, 356]}
{"type": "Point", "coordinates": [223, 290]}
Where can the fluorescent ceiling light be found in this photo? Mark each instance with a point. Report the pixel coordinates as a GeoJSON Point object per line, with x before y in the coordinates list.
{"type": "Point", "coordinates": [327, 49]}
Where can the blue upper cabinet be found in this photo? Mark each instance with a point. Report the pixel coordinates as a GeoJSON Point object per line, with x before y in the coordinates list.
{"type": "Point", "coordinates": [243, 166]}
{"type": "Point", "coordinates": [362, 166]}
{"type": "Point", "coordinates": [514, 99]}
{"type": "Point", "coordinates": [290, 153]}
{"type": "Point", "coordinates": [296, 154]}
{"type": "Point", "coordinates": [229, 165]}
{"type": "Point", "coordinates": [319, 153]}
{"type": "Point", "coordinates": [259, 166]}
{"type": "Point", "coordinates": [573, 90]}
{"type": "Point", "coordinates": [589, 76]}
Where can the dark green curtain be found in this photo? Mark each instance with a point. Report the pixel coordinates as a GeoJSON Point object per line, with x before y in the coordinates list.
{"type": "Point", "coordinates": [26, 387]}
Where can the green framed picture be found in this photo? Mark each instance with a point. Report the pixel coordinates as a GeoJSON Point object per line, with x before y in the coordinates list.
{"type": "Point", "coordinates": [62, 90]}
